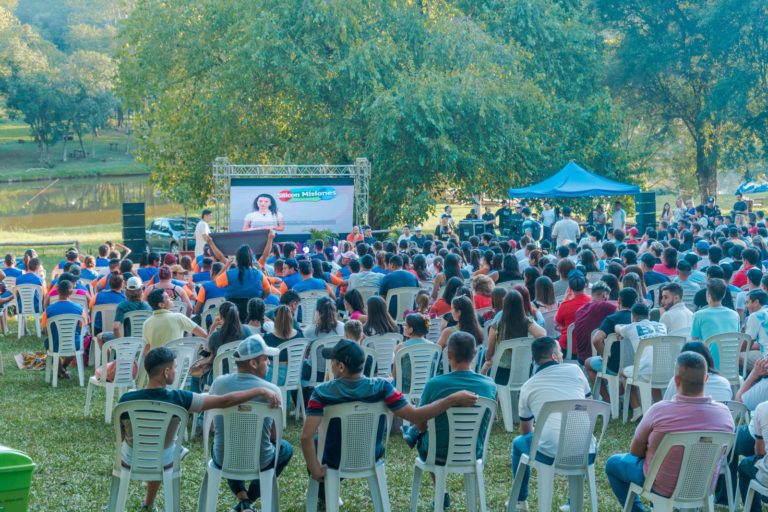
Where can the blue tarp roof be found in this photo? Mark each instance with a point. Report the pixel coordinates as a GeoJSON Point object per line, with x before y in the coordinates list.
{"type": "Point", "coordinates": [574, 181]}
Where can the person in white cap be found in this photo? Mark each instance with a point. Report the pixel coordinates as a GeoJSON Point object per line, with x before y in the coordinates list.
{"type": "Point", "coordinates": [252, 358]}
{"type": "Point", "coordinates": [132, 302]}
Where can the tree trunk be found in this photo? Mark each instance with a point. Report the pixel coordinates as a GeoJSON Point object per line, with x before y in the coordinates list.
{"type": "Point", "coordinates": [64, 153]}
{"type": "Point", "coordinates": [706, 169]}
{"type": "Point", "coordinates": [93, 145]}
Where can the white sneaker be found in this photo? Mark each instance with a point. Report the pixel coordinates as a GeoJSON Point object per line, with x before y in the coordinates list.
{"type": "Point", "coordinates": [522, 506]}
{"type": "Point", "coordinates": [565, 508]}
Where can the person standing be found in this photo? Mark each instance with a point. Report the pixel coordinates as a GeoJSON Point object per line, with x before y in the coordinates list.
{"type": "Point", "coordinates": [202, 232]}
{"type": "Point", "coordinates": [600, 220]}
{"type": "Point", "coordinates": [548, 219]}
{"type": "Point", "coordinates": [619, 219]}
{"type": "Point", "coordinates": [504, 214]}
{"type": "Point", "coordinates": [566, 229]}
{"type": "Point", "coordinates": [489, 220]}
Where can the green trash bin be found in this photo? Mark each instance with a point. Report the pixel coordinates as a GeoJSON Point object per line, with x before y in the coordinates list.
{"type": "Point", "coordinates": [15, 479]}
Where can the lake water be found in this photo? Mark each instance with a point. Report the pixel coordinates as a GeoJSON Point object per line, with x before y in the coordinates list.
{"type": "Point", "coordinates": [77, 202]}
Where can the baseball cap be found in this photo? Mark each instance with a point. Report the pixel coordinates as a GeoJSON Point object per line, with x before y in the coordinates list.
{"type": "Point", "coordinates": [75, 271]}
{"type": "Point", "coordinates": [134, 283]}
{"type": "Point", "coordinates": [252, 347]}
{"type": "Point", "coordinates": [702, 246]}
{"type": "Point", "coordinates": [632, 231]}
{"type": "Point", "coordinates": [418, 228]}
{"type": "Point", "coordinates": [576, 281]}
{"type": "Point", "coordinates": [291, 262]}
{"type": "Point", "coordinates": [347, 352]}
{"type": "Point", "coordinates": [710, 199]}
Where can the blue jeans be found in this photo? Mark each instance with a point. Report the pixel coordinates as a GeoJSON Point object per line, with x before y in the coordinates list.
{"type": "Point", "coordinates": [622, 470]}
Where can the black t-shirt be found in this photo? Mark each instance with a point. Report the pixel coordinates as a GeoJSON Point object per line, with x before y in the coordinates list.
{"type": "Point", "coordinates": [419, 240]}
{"type": "Point", "coordinates": [608, 326]}
{"type": "Point", "coordinates": [739, 206]}
{"type": "Point", "coordinates": [505, 217]}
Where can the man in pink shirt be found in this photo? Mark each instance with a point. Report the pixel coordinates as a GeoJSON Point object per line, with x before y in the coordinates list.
{"type": "Point", "coordinates": [688, 411]}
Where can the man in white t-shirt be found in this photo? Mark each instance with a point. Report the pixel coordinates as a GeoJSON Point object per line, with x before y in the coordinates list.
{"type": "Point", "coordinates": [552, 381]}
{"type": "Point", "coordinates": [406, 234]}
{"type": "Point", "coordinates": [757, 326]}
{"type": "Point", "coordinates": [619, 217]}
{"type": "Point", "coordinates": [566, 229]}
{"type": "Point", "coordinates": [675, 315]}
{"type": "Point", "coordinates": [202, 232]}
{"type": "Point", "coordinates": [640, 329]}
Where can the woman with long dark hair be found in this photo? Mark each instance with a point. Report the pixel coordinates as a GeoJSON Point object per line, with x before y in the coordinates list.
{"type": "Point", "coordinates": [514, 323]}
{"type": "Point", "coordinates": [420, 268]}
{"type": "Point", "coordinates": [354, 305]}
{"type": "Point", "coordinates": [451, 268]}
{"type": "Point", "coordinates": [544, 298]}
{"type": "Point", "coordinates": [244, 282]}
{"type": "Point", "coordinates": [443, 305]}
{"type": "Point", "coordinates": [284, 331]}
{"type": "Point", "coordinates": [257, 320]}
{"type": "Point", "coordinates": [226, 327]}
{"type": "Point", "coordinates": [379, 320]}
{"type": "Point", "coordinates": [463, 312]}
{"type": "Point", "coordinates": [510, 269]}
{"type": "Point", "coordinates": [264, 215]}
{"type": "Point", "coordinates": [326, 321]}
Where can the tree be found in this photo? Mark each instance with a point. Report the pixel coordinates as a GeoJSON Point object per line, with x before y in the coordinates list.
{"type": "Point", "coordinates": [676, 59]}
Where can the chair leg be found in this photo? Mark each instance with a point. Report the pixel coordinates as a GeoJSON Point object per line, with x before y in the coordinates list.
{"type": "Point", "coordinates": [266, 479]}
{"type": "Point", "coordinates": [313, 490]}
{"type": "Point", "coordinates": [177, 491]}
{"type": "Point", "coordinates": [613, 395]}
{"type": "Point", "coordinates": [285, 407]}
{"type": "Point", "coordinates": [545, 478]}
{"type": "Point", "coordinates": [415, 488]}
{"type": "Point", "coordinates": [629, 501]}
{"type": "Point", "coordinates": [507, 414]}
{"type": "Point", "coordinates": [332, 491]}
{"type": "Point", "coordinates": [381, 480]}
{"type": "Point", "coordinates": [113, 492]}
{"type": "Point", "coordinates": [576, 492]}
{"type": "Point", "coordinates": [750, 497]}
{"type": "Point", "coordinates": [55, 371]}
{"type": "Point", "coordinates": [202, 496]}
{"type": "Point", "coordinates": [20, 325]}
{"type": "Point", "coordinates": [275, 496]}
{"type": "Point", "coordinates": [646, 397]}
{"type": "Point", "coordinates": [48, 364]}
{"type": "Point", "coordinates": [592, 487]}
{"type": "Point", "coordinates": [440, 478]}
{"type": "Point", "coordinates": [88, 397]}
{"type": "Point", "coordinates": [470, 489]}
{"type": "Point", "coordinates": [122, 493]}
{"type": "Point", "coordinates": [168, 490]}
{"type": "Point", "coordinates": [109, 390]}
{"type": "Point", "coordinates": [80, 368]}
{"type": "Point", "coordinates": [627, 394]}
{"type": "Point", "coordinates": [480, 485]}
{"type": "Point", "coordinates": [37, 325]}
{"type": "Point", "coordinates": [376, 498]}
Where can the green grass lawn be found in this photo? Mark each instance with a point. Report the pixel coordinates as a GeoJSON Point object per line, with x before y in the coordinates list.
{"type": "Point", "coordinates": [74, 453]}
{"type": "Point", "coordinates": [20, 160]}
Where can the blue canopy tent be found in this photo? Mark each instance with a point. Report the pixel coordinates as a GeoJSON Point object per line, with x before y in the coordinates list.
{"type": "Point", "coordinates": [574, 181]}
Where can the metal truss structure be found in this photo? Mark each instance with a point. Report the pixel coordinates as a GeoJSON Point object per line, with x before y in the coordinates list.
{"type": "Point", "coordinates": [224, 171]}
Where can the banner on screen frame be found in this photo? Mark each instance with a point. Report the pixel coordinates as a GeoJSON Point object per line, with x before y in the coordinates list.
{"type": "Point", "coordinates": [292, 206]}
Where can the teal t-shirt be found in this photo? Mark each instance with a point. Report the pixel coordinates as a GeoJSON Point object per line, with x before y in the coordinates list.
{"type": "Point", "coordinates": [712, 321]}
{"type": "Point", "coordinates": [443, 385]}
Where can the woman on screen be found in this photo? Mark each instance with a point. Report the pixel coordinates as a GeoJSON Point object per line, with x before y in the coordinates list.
{"type": "Point", "coordinates": [264, 215]}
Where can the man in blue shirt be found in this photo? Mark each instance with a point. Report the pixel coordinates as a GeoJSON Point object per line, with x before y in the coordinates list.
{"type": "Point", "coordinates": [647, 262]}
{"type": "Point", "coordinates": [308, 282]}
{"type": "Point", "coordinates": [397, 278]}
{"type": "Point", "coordinates": [114, 295]}
{"type": "Point", "coordinates": [149, 272]}
{"type": "Point", "coordinates": [63, 307]}
{"type": "Point", "coordinates": [349, 385]}
{"type": "Point", "coordinates": [31, 277]}
{"type": "Point", "coordinates": [10, 269]}
{"type": "Point", "coordinates": [205, 274]}
{"type": "Point", "coordinates": [160, 365]}
{"type": "Point", "coordinates": [291, 276]}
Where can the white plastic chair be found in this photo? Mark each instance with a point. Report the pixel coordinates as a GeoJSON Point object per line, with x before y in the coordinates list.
{"type": "Point", "coordinates": [593, 277]}
{"type": "Point", "coordinates": [423, 359]}
{"type": "Point", "coordinates": [569, 345]}
{"type": "Point", "coordinates": [434, 331]}
{"type": "Point", "coordinates": [549, 323]}
{"type": "Point", "coordinates": [626, 358]}
{"type": "Point", "coordinates": [729, 351]}
{"type": "Point", "coordinates": [465, 426]}
{"type": "Point", "coordinates": [149, 420]}
{"type": "Point", "coordinates": [128, 353]}
{"type": "Point", "coordinates": [702, 452]}
{"type": "Point", "coordinates": [107, 312]}
{"type": "Point", "coordinates": [308, 305]}
{"type": "Point", "coordinates": [136, 319]}
{"type": "Point", "coordinates": [295, 350]}
{"type": "Point", "coordinates": [665, 352]}
{"type": "Point", "coordinates": [358, 425]}
{"type": "Point", "coordinates": [521, 360]}
{"type": "Point", "coordinates": [383, 346]}
{"type": "Point", "coordinates": [317, 362]}
{"type": "Point", "coordinates": [577, 419]}
{"type": "Point", "coordinates": [66, 329]}
{"type": "Point", "coordinates": [30, 304]}
{"type": "Point", "coordinates": [10, 282]}
{"type": "Point", "coordinates": [655, 291]}
{"type": "Point", "coordinates": [740, 413]}
{"type": "Point", "coordinates": [369, 291]}
{"type": "Point", "coordinates": [81, 300]}
{"type": "Point", "coordinates": [207, 317]}
{"type": "Point", "coordinates": [243, 425]}
{"type": "Point", "coordinates": [226, 352]}
{"type": "Point", "coordinates": [179, 307]}
{"type": "Point", "coordinates": [186, 350]}
{"type": "Point", "coordinates": [406, 296]}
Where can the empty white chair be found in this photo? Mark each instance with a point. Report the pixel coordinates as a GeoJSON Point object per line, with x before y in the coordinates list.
{"type": "Point", "coordinates": [405, 298]}
{"type": "Point", "coordinates": [466, 425]}
{"type": "Point", "coordinates": [383, 346]}
{"type": "Point", "coordinates": [702, 452]}
{"type": "Point", "coordinates": [518, 353]}
{"type": "Point", "coordinates": [358, 426]}
{"type": "Point", "coordinates": [423, 359]}
{"type": "Point", "coordinates": [243, 425]}
{"type": "Point", "coordinates": [66, 327]}
{"type": "Point", "coordinates": [729, 351]}
{"type": "Point", "coordinates": [578, 419]}
{"type": "Point", "coordinates": [107, 313]}
{"type": "Point", "coordinates": [369, 291]}
{"type": "Point", "coordinates": [626, 358]}
{"type": "Point", "coordinates": [308, 305]}
{"type": "Point", "coordinates": [30, 304]}
{"type": "Point", "coordinates": [665, 352]}
{"type": "Point", "coordinates": [294, 350]}
{"type": "Point", "coordinates": [154, 426]}
{"type": "Point", "coordinates": [128, 353]}
{"type": "Point", "coordinates": [136, 319]}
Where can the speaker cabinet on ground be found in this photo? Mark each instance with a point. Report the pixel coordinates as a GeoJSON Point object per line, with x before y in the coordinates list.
{"type": "Point", "coordinates": [134, 226]}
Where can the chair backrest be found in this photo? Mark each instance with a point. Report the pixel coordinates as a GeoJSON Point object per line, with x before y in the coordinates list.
{"type": "Point", "coordinates": [359, 424]}
{"type": "Point", "coordinates": [434, 330]}
{"type": "Point", "coordinates": [295, 350]}
{"type": "Point", "coordinates": [186, 350]}
{"type": "Point", "coordinates": [367, 292]}
{"type": "Point", "coordinates": [384, 347]}
{"type": "Point", "coordinates": [226, 352]}
{"type": "Point", "coordinates": [66, 327]}
{"type": "Point", "coordinates": [316, 358]}
{"type": "Point", "coordinates": [243, 427]}
{"type": "Point", "coordinates": [447, 365]}
{"type": "Point", "coordinates": [465, 426]}
{"type": "Point", "coordinates": [101, 270]}
{"type": "Point", "coordinates": [179, 307]}
{"type": "Point", "coordinates": [702, 453]}
{"type": "Point", "coordinates": [569, 342]}
{"type": "Point", "coordinates": [549, 323]}
{"type": "Point", "coordinates": [82, 300]}
{"type": "Point", "coordinates": [626, 351]}
{"type": "Point", "coordinates": [107, 312]}
{"type": "Point", "coordinates": [593, 277]}
{"type": "Point", "coordinates": [308, 304]}
{"type": "Point", "coordinates": [213, 303]}
{"type": "Point", "coordinates": [125, 352]}
{"type": "Point", "coordinates": [10, 282]}
{"type": "Point", "coordinates": [729, 347]}
{"type": "Point", "coordinates": [30, 299]}
{"type": "Point", "coordinates": [186, 341]}
{"type": "Point", "coordinates": [665, 352]}
{"type": "Point", "coordinates": [370, 363]}
{"type": "Point", "coordinates": [655, 291]}
{"type": "Point", "coordinates": [153, 426]}
{"type": "Point", "coordinates": [739, 412]}
{"type": "Point", "coordinates": [577, 419]}
{"type": "Point", "coordinates": [689, 294]}
{"type": "Point", "coordinates": [136, 321]}
{"type": "Point", "coordinates": [207, 316]}
{"type": "Point", "coordinates": [509, 285]}
{"type": "Point", "coordinates": [405, 298]}
{"type": "Point", "coordinates": [423, 359]}
{"type": "Point", "coordinates": [521, 360]}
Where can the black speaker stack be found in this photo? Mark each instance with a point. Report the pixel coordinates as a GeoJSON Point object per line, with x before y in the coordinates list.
{"type": "Point", "coordinates": [134, 227]}
{"type": "Point", "coordinates": [645, 206]}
